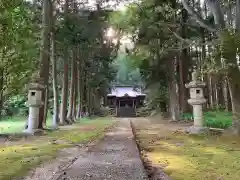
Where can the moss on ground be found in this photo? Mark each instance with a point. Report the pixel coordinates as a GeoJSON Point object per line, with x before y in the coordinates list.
{"type": "Point", "coordinates": [16, 160]}
{"type": "Point", "coordinates": [188, 157]}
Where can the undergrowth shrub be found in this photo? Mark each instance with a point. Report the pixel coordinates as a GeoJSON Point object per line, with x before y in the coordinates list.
{"type": "Point", "coordinates": [214, 119]}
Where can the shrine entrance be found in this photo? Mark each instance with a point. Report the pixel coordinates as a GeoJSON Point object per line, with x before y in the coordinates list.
{"type": "Point", "coordinates": [126, 103]}
{"type": "Point", "coordinates": [125, 100]}
{"type": "Point", "coordinates": [126, 107]}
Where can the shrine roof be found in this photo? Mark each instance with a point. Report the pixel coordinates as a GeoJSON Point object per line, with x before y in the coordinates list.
{"type": "Point", "coordinates": [126, 91]}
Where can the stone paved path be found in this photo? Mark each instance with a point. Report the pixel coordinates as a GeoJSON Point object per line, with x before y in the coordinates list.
{"type": "Point", "coordinates": [114, 158]}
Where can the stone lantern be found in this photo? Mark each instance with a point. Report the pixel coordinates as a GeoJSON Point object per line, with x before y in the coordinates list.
{"type": "Point", "coordinates": [35, 89]}
{"type": "Point", "coordinates": [196, 100]}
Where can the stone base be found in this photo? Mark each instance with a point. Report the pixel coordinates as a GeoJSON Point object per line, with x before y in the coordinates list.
{"type": "Point", "coordinates": [33, 132]}
{"type": "Point", "coordinates": [54, 127]}
{"type": "Point", "coordinates": [62, 124]}
{"type": "Point", "coordinates": [197, 130]}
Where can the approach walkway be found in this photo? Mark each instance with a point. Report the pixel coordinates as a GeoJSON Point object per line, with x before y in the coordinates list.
{"type": "Point", "coordinates": [114, 158]}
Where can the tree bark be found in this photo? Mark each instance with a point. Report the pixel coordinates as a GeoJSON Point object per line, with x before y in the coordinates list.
{"type": "Point", "coordinates": [64, 103]}
{"type": "Point", "coordinates": [46, 106]}
{"type": "Point", "coordinates": [184, 67]}
{"type": "Point", "coordinates": [75, 91]}
{"type": "Point", "coordinates": [44, 56]}
{"type": "Point", "coordinates": [210, 91]}
{"type": "Point", "coordinates": [73, 104]}
{"type": "Point", "coordinates": [172, 87]}
{"type": "Point", "coordinates": [97, 102]}
{"type": "Point", "coordinates": [183, 74]}
{"type": "Point", "coordinates": [71, 95]}
{"type": "Point", "coordinates": [85, 92]}
{"type": "Point", "coordinates": [225, 93]}
{"type": "Point", "coordinates": [1, 90]}
{"type": "Point", "coordinates": [83, 88]}
{"type": "Point", "coordinates": [234, 89]}
{"type": "Point", "coordinates": [216, 92]}
{"type": "Point", "coordinates": [79, 89]}
{"type": "Point", "coordinates": [64, 90]}
{"type": "Point", "coordinates": [54, 84]}
{"type": "Point", "coordinates": [88, 103]}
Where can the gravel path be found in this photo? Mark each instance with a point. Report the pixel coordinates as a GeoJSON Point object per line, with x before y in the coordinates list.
{"type": "Point", "coordinates": [114, 158]}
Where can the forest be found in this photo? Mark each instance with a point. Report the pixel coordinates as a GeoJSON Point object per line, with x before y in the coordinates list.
{"type": "Point", "coordinates": [82, 57]}
{"type": "Point", "coordinates": [172, 39]}
{"type": "Point", "coordinates": [78, 50]}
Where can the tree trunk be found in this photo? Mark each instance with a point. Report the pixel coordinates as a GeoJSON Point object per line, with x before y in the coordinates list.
{"type": "Point", "coordinates": [225, 93]}
{"type": "Point", "coordinates": [92, 99]}
{"type": "Point", "coordinates": [73, 104]}
{"type": "Point", "coordinates": [46, 106]}
{"type": "Point", "coordinates": [88, 99]}
{"type": "Point", "coordinates": [183, 68]}
{"type": "Point", "coordinates": [76, 85]}
{"type": "Point", "coordinates": [71, 95]}
{"type": "Point", "coordinates": [183, 73]}
{"type": "Point", "coordinates": [54, 84]}
{"type": "Point", "coordinates": [86, 94]}
{"type": "Point", "coordinates": [97, 103]}
{"type": "Point", "coordinates": [1, 90]}
{"type": "Point", "coordinates": [44, 55]}
{"type": "Point", "coordinates": [216, 93]}
{"type": "Point", "coordinates": [75, 93]}
{"type": "Point", "coordinates": [234, 89]}
{"type": "Point", "coordinates": [63, 115]}
{"type": "Point", "coordinates": [210, 91]}
{"type": "Point", "coordinates": [64, 90]}
{"type": "Point", "coordinates": [79, 109]}
{"type": "Point", "coordinates": [172, 87]}
{"type": "Point", "coordinates": [82, 92]}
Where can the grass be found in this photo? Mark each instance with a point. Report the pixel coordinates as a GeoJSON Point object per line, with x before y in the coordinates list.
{"type": "Point", "coordinates": [215, 119]}
{"type": "Point", "coordinates": [16, 160]}
{"type": "Point", "coordinates": [188, 157]}
{"type": "Point", "coordinates": [12, 125]}
{"type": "Point", "coordinates": [16, 124]}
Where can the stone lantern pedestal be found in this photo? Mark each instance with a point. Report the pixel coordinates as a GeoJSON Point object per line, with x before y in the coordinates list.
{"type": "Point", "coordinates": [196, 100]}
{"type": "Point", "coordinates": [34, 103]}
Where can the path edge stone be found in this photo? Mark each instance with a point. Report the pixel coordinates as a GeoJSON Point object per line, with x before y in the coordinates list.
{"type": "Point", "coordinates": [153, 173]}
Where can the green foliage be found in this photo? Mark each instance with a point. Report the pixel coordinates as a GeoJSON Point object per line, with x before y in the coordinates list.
{"type": "Point", "coordinates": [15, 106]}
{"type": "Point", "coordinates": [147, 22]}
{"type": "Point", "coordinates": [126, 74]}
{"type": "Point", "coordinates": [18, 48]}
{"type": "Point", "coordinates": [156, 94]}
{"type": "Point", "coordinates": [214, 119]}
{"type": "Point", "coordinates": [186, 117]}
{"type": "Point", "coordinates": [218, 119]}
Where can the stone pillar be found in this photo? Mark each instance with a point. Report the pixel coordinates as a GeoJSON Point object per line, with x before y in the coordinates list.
{"type": "Point", "coordinates": [34, 103]}
{"type": "Point", "coordinates": [196, 100]}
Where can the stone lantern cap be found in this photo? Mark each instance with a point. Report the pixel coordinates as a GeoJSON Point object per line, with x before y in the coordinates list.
{"type": "Point", "coordinates": [36, 84]}
{"type": "Point", "coordinates": [195, 83]}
